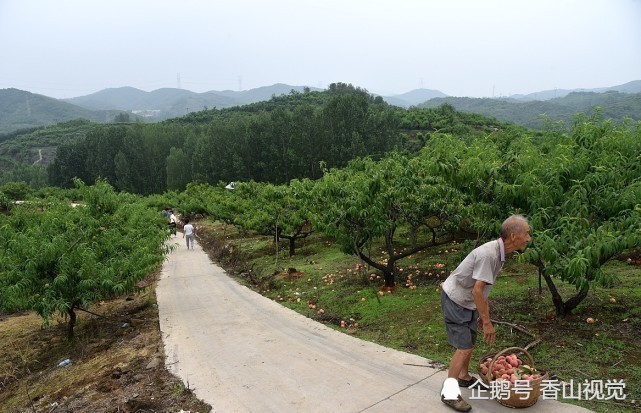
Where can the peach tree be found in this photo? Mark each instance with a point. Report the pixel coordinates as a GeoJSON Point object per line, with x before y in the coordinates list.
{"type": "Point", "coordinates": [277, 210]}
{"type": "Point", "coordinates": [370, 202]}
{"type": "Point", "coordinates": [585, 203]}
{"type": "Point", "coordinates": [57, 259]}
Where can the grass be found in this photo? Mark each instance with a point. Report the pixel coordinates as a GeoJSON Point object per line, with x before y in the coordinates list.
{"type": "Point", "coordinates": [324, 284]}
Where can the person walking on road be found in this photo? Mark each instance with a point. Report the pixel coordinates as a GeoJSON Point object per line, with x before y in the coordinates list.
{"type": "Point", "coordinates": [188, 234]}
{"type": "Point", "coordinates": [172, 222]}
{"type": "Point", "coordinates": [465, 305]}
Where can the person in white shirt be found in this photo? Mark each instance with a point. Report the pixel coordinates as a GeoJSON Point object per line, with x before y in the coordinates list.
{"type": "Point", "coordinates": [465, 305]}
{"type": "Point", "coordinates": [188, 233]}
{"type": "Point", "coordinates": [172, 222]}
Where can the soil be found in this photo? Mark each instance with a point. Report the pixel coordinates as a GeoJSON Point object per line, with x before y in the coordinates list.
{"type": "Point", "coordinates": [117, 362]}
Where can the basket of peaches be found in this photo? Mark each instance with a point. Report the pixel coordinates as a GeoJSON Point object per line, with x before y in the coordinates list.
{"type": "Point", "coordinates": [517, 380]}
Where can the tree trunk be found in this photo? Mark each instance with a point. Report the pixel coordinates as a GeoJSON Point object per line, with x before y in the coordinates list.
{"type": "Point", "coordinates": [562, 308]}
{"type": "Point", "coordinates": [298, 234]}
{"type": "Point", "coordinates": [292, 246]}
{"type": "Point", "coordinates": [575, 300]}
{"type": "Point", "coordinates": [72, 323]}
{"type": "Point", "coordinates": [389, 269]}
{"type": "Point", "coordinates": [557, 300]}
{"type": "Point", "coordinates": [389, 275]}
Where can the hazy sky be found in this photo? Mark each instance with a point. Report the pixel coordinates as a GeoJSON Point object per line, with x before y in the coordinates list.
{"type": "Point", "coordinates": [479, 48]}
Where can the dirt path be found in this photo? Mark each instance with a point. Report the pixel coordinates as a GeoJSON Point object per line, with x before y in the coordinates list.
{"type": "Point", "coordinates": [241, 352]}
{"type": "Point", "coordinates": [39, 157]}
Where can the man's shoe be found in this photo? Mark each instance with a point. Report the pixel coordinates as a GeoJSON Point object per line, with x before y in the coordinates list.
{"type": "Point", "coordinates": [472, 383]}
{"type": "Point", "coordinates": [459, 404]}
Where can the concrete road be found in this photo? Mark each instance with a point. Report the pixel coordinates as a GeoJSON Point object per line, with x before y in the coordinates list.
{"type": "Point", "coordinates": [241, 352]}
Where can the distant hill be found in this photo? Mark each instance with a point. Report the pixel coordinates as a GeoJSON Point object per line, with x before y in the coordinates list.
{"type": "Point", "coordinates": [413, 97]}
{"type": "Point", "coordinates": [263, 93]}
{"type": "Point", "coordinates": [166, 103]}
{"type": "Point", "coordinates": [630, 87]}
{"type": "Point", "coordinates": [25, 110]}
{"type": "Point", "coordinates": [419, 96]}
{"type": "Point", "coordinates": [165, 100]}
{"type": "Point", "coordinates": [614, 105]}
{"type": "Point", "coordinates": [169, 103]}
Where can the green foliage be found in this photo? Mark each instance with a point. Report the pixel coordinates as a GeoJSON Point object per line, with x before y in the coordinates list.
{"type": "Point", "coordinates": [122, 117]}
{"type": "Point", "coordinates": [536, 114]}
{"type": "Point", "coordinates": [368, 200]}
{"type": "Point", "coordinates": [56, 258]}
{"type": "Point", "coordinates": [131, 157]}
{"type": "Point", "coordinates": [216, 202]}
{"type": "Point", "coordinates": [5, 202]}
{"type": "Point", "coordinates": [282, 211]}
{"type": "Point", "coordinates": [289, 102]}
{"type": "Point", "coordinates": [274, 141]}
{"type": "Point", "coordinates": [178, 169]}
{"type": "Point", "coordinates": [581, 192]}
{"type": "Point", "coordinates": [460, 175]}
{"type": "Point", "coordinates": [17, 191]}
{"type": "Point", "coordinates": [445, 119]}
{"type": "Point", "coordinates": [589, 209]}
{"type": "Point", "coordinates": [25, 155]}
{"type": "Point", "coordinates": [58, 193]}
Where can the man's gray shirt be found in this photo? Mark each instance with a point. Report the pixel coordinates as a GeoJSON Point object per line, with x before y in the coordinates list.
{"type": "Point", "coordinates": [484, 263]}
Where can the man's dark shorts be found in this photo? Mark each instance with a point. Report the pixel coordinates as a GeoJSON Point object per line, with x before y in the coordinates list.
{"type": "Point", "coordinates": [460, 323]}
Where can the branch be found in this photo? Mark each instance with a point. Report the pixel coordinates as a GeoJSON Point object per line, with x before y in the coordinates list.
{"type": "Point", "coordinates": [536, 341]}
{"type": "Point", "coordinates": [106, 316]}
{"type": "Point", "coordinates": [297, 235]}
{"type": "Point", "coordinates": [370, 262]}
{"type": "Point", "coordinates": [420, 248]}
{"type": "Point", "coordinates": [87, 311]}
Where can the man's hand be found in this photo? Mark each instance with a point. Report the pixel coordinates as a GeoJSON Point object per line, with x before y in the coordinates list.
{"type": "Point", "coordinates": [488, 331]}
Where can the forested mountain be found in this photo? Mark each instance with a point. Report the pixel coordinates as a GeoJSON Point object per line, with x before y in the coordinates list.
{"type": "Point", "coordinates": [274, 144]}
{"type": "Point", "coordinates": [24, 110]}
{"type": "Point", "coordinates": [24, 156]}
{"type": "Point", "coordinates": [533, 114]}
{"type": "Point", "coordinates": [292, 136]}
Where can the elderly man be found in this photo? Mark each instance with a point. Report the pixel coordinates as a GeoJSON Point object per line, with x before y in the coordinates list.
{"type": "Point", "coordinates": [465, 305]}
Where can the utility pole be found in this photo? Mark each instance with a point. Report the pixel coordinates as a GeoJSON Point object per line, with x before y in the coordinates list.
{"type": "Point", "coordinates": [178, 80]}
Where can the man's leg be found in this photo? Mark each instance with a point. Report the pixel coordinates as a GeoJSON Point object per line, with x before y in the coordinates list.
{"type": "Point", "coordinates": [459, 365]}
{"type": "Point", "coordinates": [450, 393]}
{"type": "Point", "coordinates": [460, 336]}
